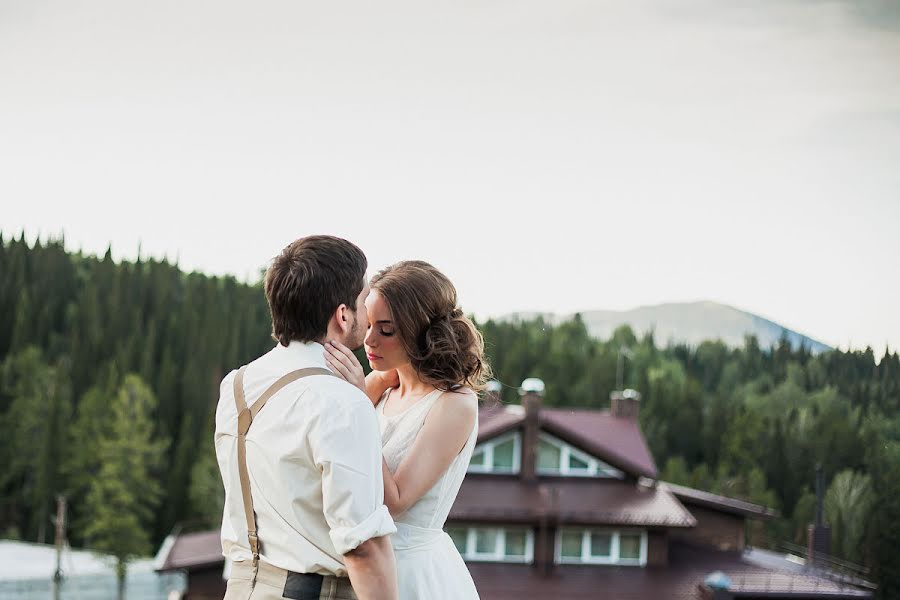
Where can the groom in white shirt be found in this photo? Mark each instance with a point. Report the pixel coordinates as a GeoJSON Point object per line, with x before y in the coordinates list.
{"type": "Point", "coordinates": [299, 449]}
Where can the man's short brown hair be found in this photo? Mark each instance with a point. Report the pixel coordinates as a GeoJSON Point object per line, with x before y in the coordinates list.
{"type": "Point", "coordinates": [308, 281]}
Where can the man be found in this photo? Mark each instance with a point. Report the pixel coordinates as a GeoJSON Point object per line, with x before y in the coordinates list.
{"type": "Point", "coordinates": [306, 517]}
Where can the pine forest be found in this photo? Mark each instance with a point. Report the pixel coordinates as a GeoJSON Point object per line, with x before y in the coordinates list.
{"type": "Point", "coordinates": [109, 376]}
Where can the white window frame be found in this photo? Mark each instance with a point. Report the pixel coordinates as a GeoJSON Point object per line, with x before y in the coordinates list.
{"type": "Point", "coordinates": [488, 448]}
{"type": "Point", "coordinates": [596, 467]}
{"type": "Point", "coordinates": [588, 559]}
{"type": "Point", "coordinates": [499, 552]}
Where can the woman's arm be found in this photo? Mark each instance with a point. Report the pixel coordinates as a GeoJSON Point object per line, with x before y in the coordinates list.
{"type": "Point", "coordinates": [379, 381]}
{"type": "Point", "coordinates": [443, 435]}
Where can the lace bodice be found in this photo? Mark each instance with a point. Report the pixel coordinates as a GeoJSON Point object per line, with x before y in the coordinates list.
{"type": "Point", "coordinates": [398, 432]}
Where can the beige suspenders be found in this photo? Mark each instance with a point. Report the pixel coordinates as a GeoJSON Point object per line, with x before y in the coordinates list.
{"type": "Point", "coordinates": [245, 419]}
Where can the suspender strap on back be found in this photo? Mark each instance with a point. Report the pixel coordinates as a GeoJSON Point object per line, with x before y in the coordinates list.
{"type": "Point", "coordinates": [245, 419]}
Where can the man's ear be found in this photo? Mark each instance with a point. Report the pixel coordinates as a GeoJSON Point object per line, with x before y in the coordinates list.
{"type": "Point", "coordinates": [342, 319]}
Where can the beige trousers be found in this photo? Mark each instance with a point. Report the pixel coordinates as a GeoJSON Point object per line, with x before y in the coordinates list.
{"type": "Point", "coordinates": [270, 584]}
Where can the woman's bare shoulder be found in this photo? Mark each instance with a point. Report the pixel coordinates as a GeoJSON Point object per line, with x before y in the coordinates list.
{"type": "Point", "coordinates": [462, 401]}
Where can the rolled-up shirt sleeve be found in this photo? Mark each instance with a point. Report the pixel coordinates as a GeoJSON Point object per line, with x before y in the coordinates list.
{"type": "Point", "coordinates": [347, 450]}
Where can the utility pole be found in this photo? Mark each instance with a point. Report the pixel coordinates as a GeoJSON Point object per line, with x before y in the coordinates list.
{"type": "Point", "coordinates": [60, 540]}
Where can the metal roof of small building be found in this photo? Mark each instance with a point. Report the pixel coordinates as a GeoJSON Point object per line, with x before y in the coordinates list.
{"type": "Point", "coordinates": [190, 550]}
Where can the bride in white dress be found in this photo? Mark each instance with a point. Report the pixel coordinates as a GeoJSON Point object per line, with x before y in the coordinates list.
{"type": "Point", "coordinates": [427, 360]}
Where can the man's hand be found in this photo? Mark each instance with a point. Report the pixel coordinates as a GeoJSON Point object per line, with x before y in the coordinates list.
{"type": "Point", "coordinates": [346, 366]}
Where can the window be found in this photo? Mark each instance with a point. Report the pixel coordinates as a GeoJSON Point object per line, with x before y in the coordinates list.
{"type": "Point", "coordinates": [458, 535]}
{"type": "Point", "coordinates": [601, 546]}
{"type": "Point", "coordinates": [516, 543]}
{"type": "Point", "coordinates": [504, 455]}
{"type": "Point", "coordinates": [493, 544]}
{"type": "Point", "coordinates": [500, 455]}
{"type": "Point", "coordinates": [549, 456]}
{"type": "Point", "coordinates": [630, 547]}
{"type": "Point", "coordinates": [486, 541]}
{"type": "Point", "coordinates": [555, 457]}
{"type": "Point", "coordinates": [576, 464]}
{"type": "Point", "coordinates": [571, 544]}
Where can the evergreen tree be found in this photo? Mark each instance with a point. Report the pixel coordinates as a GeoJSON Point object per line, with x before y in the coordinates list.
{"type": "Point", "coordinates": [35, 422]}
{"type": "Point", "coordinates": [122, 497]}
{"type": "Point", "coordinates": [92, 424]}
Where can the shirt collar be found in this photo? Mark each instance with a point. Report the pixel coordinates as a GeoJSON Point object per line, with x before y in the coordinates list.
{"type": "Point", "coordinates": [302, 354]}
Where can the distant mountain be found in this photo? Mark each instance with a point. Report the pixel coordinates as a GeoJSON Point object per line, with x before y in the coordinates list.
{"type": "Point", "coordinates": [688, 322]}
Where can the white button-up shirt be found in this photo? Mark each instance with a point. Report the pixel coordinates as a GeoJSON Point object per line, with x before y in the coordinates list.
{"type": "Point", "coordinates": [314, 458]}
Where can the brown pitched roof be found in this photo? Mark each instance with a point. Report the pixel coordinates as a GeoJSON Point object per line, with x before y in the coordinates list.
{"type": "Point", "coordinates": [615, 440]}
{"type": "Point", "coordinates": [571, 500]}
{"type": "Point", "coordinates": [497, 419]}
{"type": "Point", "coordinates": [721, 503]}
{"type": "Point", "coordinates": [192, 550]}
{"type": "Point", "coordinates": [688, 567]}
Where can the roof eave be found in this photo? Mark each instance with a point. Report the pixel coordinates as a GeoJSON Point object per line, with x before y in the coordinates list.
{"type": "Point", "coordinates": [744, 509]}
{"type": "Point", "coordinates": [493, 432]}
{"type": "Point", "coordinates": [564, 518]}
{"type": "Point", "coordinates": [192, 564]}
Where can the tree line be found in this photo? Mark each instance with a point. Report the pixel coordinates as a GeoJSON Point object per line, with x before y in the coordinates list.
{"type": "Point", "coordinates": [109, 375]}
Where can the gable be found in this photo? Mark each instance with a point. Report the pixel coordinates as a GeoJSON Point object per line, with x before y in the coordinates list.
{"type": "Point", "coordinates": [556, 457]}
{"type": "Point", "coordinates": [502, 455]}
{"type": "Point", "coordinates": [616, 441]}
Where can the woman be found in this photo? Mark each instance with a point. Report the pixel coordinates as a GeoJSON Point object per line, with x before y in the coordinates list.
{"type": "Point", "coordinates": [428, 362]}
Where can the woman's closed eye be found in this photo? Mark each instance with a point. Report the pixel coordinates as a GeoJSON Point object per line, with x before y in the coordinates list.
{"type": "Point", "coordinates": [382, 331]}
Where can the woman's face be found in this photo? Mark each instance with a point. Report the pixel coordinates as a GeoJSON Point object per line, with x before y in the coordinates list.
{"type": "Point", "coordinates": [383, 347]}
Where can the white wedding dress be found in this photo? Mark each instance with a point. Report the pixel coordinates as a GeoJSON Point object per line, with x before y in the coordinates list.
{"type": "Point", "coordinates": [428, 565]}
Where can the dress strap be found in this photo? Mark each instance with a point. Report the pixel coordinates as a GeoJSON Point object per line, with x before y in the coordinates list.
{"type": "Point", "coordinates": [384, 395]}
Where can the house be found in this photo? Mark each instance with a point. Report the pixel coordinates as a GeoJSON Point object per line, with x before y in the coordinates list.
{"type": "Point", "coordinates": [568, 504]}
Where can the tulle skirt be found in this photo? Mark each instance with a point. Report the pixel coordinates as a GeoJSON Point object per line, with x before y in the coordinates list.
{"type": "Point", "coordinates": [429, 567]}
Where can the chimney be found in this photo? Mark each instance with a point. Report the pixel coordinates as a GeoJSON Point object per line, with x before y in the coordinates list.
{"type": "Point", "coordinates": [531, 391]}
{"type": "Point", "coordinates": [818, 534]}
{"type": "Point", "coordinates": [625, 404]}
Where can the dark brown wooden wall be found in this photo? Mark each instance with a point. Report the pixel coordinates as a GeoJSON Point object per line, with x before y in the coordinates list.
{"type": "Point", "coordinates": [657, 549]}
{"type": "Point", "coordinates": [206, 584]}
{"type": "Point", "coordinates": [714, 528]}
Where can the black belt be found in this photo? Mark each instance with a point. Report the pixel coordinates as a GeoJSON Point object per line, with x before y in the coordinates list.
{"type": "Point", "coordinates": [303, 586]}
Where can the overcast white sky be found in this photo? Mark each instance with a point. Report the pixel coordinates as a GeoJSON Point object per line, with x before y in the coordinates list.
{"type": "Point", "coordinates": [556, 155]}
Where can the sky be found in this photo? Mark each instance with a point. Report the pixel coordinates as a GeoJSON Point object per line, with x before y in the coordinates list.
{"type": "Point", "coordinates": [551, 156]}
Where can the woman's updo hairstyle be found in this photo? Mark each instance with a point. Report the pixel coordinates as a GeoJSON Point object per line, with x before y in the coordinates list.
{"type": "Point", "coordinates": [443, 345]}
